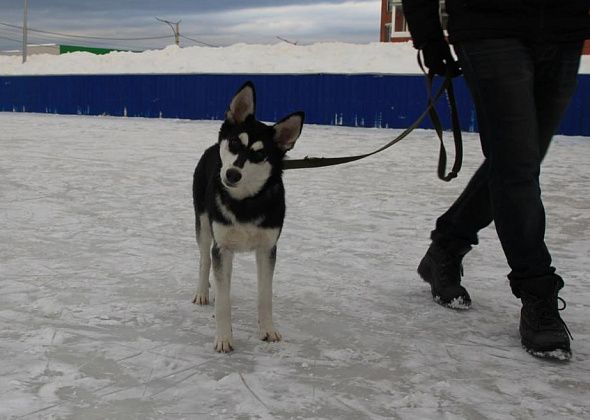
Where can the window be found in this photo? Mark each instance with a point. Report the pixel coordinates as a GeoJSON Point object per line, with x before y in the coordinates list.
{"type": "Point", "coordinates": [390, 6]}
{"type": "Point", "coordinates": [399, 20]}
{"type": "Point", "coordinates": [399, 27]}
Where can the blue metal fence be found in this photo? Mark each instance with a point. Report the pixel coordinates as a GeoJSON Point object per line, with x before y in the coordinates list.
{"type": "Point", "coordinates": [366, 100]}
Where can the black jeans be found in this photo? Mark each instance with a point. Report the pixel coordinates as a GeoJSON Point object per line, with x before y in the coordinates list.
{"type": "Point", "coordinates": [520, 91]}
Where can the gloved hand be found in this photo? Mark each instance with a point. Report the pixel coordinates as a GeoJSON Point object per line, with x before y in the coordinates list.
{"type": "Point", "coordinates": [438, 58]}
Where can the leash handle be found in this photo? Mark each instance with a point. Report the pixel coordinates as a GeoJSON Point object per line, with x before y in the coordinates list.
{"type": "Point", "coordinates": [436, 123]}
{"type": "Point", "coordinates": [458, 140]}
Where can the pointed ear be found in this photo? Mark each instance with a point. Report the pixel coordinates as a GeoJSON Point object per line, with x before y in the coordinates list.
{"type": "Point", "coordinates": [242, 105]}
{"type": "Point", "coordinates": [287, 130]}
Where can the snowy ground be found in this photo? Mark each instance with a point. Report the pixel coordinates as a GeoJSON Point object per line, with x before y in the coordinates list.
{"type": "Point", "coordinates": [98, 268]}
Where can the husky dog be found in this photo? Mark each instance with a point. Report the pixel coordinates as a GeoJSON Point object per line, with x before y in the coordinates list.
{"type": "Point", "coordinates": [239, 202]}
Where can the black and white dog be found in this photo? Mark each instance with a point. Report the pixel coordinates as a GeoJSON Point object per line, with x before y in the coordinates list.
{"type": "Point", "coordinates": [239, 202]}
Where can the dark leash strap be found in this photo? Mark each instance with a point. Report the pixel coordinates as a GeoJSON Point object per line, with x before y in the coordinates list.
{"type": "Point", "coordinates": [446, 86]}
{"type": "Point", "coordinates": [436, 123]}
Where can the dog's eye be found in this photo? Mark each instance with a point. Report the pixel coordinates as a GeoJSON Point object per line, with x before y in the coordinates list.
{"type": "Point", "coordinates": [257, 156]}
{"type": "Point", "coordinates": [234, 145]}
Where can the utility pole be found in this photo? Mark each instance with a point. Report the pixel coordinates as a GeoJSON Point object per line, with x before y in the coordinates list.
{"type": "Point", "coordinates": [25, 30]}
{"type": "Point", "coordinates": [175, 28]}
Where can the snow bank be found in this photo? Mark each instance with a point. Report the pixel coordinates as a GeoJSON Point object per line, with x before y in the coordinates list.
{"type": "Point", "coordinates": [239, 58]}
{"type": "Point", "coordinates": [334, 57]}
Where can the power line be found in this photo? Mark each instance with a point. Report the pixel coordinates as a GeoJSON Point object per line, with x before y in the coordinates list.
{"type": "Point", "coordinates": [85, 36]}
{"type": "Point", "coordinates": [11, 39]}
{"type": "Point", "coordinates": [13, 28]}
{"type": "Point", "coordinates": [119, 45]}
{"type": "Point", "coordinates": [37, 40]}
{"type": "Point", "coordinates": [197, 41]}
{"type": "Point", "coordinates": [10, 30]}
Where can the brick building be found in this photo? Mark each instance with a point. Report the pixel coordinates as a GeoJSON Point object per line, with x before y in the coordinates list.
{"type": "Point", "coordinates": [393, 22]}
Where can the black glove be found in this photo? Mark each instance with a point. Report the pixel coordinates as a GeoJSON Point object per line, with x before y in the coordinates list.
{"type": "Point", "coordinates": [438, 58]}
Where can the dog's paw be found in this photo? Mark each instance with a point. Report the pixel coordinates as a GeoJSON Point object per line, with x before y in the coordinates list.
{"type": "Point", "coordinates": [201, 298]}
{"type": "Point", "coordinates": [270, 335]}
{"type": "Point", "coordinates": [223, 344]}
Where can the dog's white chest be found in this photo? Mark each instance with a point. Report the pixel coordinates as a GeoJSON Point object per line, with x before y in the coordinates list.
{"type": "Point", "coordinates": [244, 237]}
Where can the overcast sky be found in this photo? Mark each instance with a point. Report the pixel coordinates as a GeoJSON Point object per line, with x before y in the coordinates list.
{"type": "Point", "coordinates": [214, 22]}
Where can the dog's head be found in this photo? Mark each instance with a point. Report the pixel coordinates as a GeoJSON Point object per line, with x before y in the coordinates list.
{"type": "Point", "coordinates": [252, 152]}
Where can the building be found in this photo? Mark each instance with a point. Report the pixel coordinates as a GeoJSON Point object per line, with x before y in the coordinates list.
{"type": "Point", "coordinates": [395, 29]}
{"type": "Point", "coordinates": [393, 22]}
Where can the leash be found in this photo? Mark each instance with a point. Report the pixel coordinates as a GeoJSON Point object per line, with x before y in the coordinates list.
{"type": "Point", "coordinates": [446, 87]}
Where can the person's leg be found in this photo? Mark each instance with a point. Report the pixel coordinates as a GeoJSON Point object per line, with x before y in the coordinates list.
{"type": "Point", "coordinates": [470, 213]}
{"type": "Point", "coordinates": [521, 92]}
{"type": "Point", "coordinates": [500, 74]}
{"type": "Point", "coordinates": [456, 231]}
{"type": "Point", "coordinates": [501, 91]}
{"type": "Point", "coordinates": [554, 83]}
{"type": "Point", "coordinates": [543, 332]}
{"type": "Point", "coordinates": [556, 67]}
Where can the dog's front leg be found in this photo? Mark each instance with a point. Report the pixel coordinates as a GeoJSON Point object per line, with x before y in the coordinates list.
{"type": "Point", "coordinates": [204, 240]}
{"type": "Point", "coordinates": [265, 263]}
{"type": "Point", "coordinates": [222, 269]}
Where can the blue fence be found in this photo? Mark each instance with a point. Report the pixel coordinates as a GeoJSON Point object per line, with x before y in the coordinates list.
{"type": "Point", "coordinates": [366, 100]}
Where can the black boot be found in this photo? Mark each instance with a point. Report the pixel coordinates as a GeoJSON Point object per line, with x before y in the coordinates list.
{"type": "Point", "coordinates": [543, 333]}
{"type": "Point", "coordinates": [441, 267]}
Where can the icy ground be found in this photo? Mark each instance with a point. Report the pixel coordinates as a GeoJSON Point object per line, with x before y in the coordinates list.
{"type": "Point", "coordinates": [98, 268]}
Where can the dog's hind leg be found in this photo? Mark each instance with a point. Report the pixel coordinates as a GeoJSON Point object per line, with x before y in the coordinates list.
{"type": "Point", "coordinates": [204, 240]}
{"type": "Point", "coordinates": [265, 263]}
{"type": "Point", "coordinates": [222, 269]}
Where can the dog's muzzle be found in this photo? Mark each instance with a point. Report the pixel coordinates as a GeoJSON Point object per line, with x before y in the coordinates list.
{"type": "Point", "coordinates": [233, 176]}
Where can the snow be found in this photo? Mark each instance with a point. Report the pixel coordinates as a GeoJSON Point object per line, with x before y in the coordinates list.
{"type": "Point", "coordinates": [98, 266]}
{"type": "Point", "coordinates": [329, 57]}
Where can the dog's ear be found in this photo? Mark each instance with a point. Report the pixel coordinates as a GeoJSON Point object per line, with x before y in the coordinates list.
{"type": "Point", "coordinates": [242, 105]}
{"type": "Point", "coordinates": [287, 130]}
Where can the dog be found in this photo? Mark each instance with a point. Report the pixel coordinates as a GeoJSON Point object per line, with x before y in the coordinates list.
{"type": "Point", "coordinates": [239, 202]}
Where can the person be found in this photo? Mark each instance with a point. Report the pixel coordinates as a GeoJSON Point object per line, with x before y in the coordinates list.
{"type": "Point", "coordinates": [520, 59]}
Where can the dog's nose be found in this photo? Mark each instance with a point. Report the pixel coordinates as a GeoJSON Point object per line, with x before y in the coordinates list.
{"type": "Point", "coordinates": [233, 175]}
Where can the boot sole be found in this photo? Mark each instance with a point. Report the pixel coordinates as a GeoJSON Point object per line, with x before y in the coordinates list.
{"type": "Point", "coordinates": [556, 353]}
{"type": "Point", "coordinates": [457, 303]}
{"type": "Point", "coordinates": [426, 274]}
{"type": "Point", "coordinates": [561, 355]}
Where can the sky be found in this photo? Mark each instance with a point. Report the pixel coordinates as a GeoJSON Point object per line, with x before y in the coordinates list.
{"type": "Point", "coordinates": [203, 22]}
